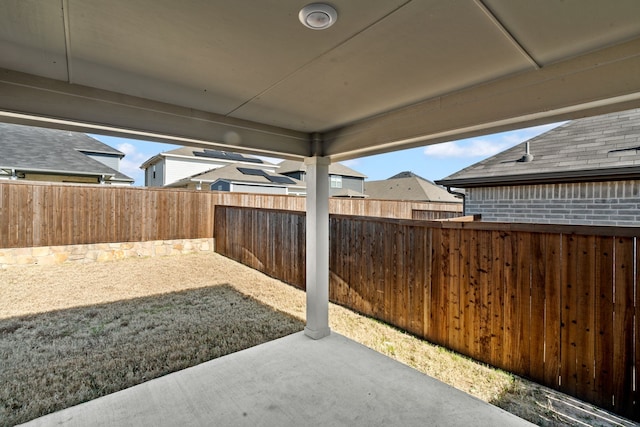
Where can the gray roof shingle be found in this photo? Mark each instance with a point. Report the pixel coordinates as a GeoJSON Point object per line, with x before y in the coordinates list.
{"type": "Point", "coordinates": [200, 154]}
{"type": "Point", "coordinates": [408, 186]}
{"type": "Point", "coordinates": [234, 173]}
{"type": "Point", "coordinates": [287, 166]}
{"type": "Point", "coordinates": [599, 148]}
{"type": "Point", "coordinates": [35, 149]}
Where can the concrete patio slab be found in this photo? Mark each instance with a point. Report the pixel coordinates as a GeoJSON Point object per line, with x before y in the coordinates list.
{"type": "Point", "coordinates": [293, 381]}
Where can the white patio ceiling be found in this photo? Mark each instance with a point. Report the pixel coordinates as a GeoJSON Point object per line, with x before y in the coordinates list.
{"type": "Point", "coordinates": [246, 75]}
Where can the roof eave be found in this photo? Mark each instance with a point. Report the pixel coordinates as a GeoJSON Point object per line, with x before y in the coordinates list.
{"type": "Point", "coordinates": [612, 174]}
{"type": "Point", "coordinates": [56, 171]}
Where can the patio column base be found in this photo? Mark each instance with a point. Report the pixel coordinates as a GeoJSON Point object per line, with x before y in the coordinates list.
{"type": "Point", "coordinates": [317, 334]}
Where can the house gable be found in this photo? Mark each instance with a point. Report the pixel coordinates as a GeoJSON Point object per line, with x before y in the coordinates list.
{"type": "Point", "coordinates": [54, 155]}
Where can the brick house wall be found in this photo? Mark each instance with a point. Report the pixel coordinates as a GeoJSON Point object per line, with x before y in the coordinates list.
{"type": "Point", "coordinates": [589, 203]}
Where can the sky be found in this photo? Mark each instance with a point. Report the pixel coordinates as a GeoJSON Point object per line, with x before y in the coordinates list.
{"type": "Point", "coordinates": [432, 162]}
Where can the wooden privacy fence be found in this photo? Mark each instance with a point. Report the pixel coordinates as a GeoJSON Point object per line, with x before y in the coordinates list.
{"type": "Point", "coordinates": [271, 241]}
{"type": "Point", "coordinates": [46, 214]}
{"type": "Point", "coordinates": [556, 304]}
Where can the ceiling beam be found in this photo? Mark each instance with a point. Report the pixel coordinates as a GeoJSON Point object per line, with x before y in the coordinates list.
{"type": "Point", "coordinates": [38, 101]}
{"type": "Point", "coordinates": [596, 83]}
{"type": "Point", "coordinates": [506, 33]}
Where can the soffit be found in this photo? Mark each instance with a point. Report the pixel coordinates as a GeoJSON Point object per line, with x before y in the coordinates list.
{"type": "Point", "coordinates": [387, 75]}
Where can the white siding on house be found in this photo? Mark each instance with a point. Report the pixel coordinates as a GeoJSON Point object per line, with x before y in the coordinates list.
{"type": "Point", "coordinates": [154, 175]}
{"type": "Point", "coordinates": [110, 160]}
{"type": "Point", "coordinates": [260, 189]}
{"type": "Point", "coordinates": [179, 168]}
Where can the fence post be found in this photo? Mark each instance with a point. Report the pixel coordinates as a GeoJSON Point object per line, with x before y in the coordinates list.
{"type": "Point", "coordinates": [317, 247]}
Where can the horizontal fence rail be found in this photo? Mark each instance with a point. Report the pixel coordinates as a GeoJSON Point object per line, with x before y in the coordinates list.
{"type": "Point", "coordinates": [556, 304]}
{"type": "Point", "coordinates": [46, 214]}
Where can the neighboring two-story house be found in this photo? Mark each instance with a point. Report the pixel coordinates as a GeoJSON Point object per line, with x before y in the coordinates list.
{"type": "Point", "coordinates": [343, 181]}
{"type": "Point", "coordinates": [171, 166]}
{"type": "Point", "coordinates": [42, 154]}
{"type": "Point", "coordinates": [586, 171]}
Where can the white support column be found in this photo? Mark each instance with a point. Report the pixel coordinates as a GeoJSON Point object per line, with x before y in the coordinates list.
{"type": "Point", "coordinates": [317, 247]}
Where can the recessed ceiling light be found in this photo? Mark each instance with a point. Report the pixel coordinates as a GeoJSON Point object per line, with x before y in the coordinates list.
{"type": "Point", "coordinates": [318, 16]}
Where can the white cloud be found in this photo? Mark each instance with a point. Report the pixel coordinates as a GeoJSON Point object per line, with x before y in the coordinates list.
{"type": "Point", "coordinates": [351, 163]}
{"type": "Point", "coordinates": [127, 148]}
{"type": "Point", "coordinates": [473, 148]}
{"type": "Point", "coordinates": [130, 164]}
{"type": "Point", "coordinates": [488, 146]}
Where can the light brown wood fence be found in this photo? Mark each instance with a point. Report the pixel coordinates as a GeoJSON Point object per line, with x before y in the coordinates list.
{"type": "Point", "coordinates": [556, 304]}
{"type": "Point", "coordinates": [46, 214]}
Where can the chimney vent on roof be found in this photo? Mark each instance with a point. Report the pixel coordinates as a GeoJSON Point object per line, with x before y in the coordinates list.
{"type": "Point", "coordinates": [528, 157]}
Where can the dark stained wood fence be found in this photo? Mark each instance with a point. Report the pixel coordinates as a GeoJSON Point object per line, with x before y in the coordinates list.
{"type": "Point", "coordinates": [271, 241]}
{"type": "Point", "coordinates": [556, 304]}
{"type": "Point", "coordinates": [49, 214]}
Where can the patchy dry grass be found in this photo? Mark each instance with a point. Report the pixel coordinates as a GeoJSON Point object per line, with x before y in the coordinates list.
{"type": "Point", "coordinates": [71, 333]}
{"type": "Point", "coordinates": [58, 359]}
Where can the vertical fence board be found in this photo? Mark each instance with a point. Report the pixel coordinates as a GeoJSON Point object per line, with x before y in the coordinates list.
{"type": "Point", "coordinates": [378, 253]}
{"type": "Point", "coordinates": [471, 295]}
{"type": "Point", "coordinates": [497, 293]}
{"type": "Point", "coordinates": [417, 280]}
{"type": "Point", "coordinates": [4, 213]}
{"type": "Point", "coordinates": [437, 311]}
{"type": "Point", "coordinates": [537, 327]}
{"type": "Point", "coordinates": [428, 283]}
{"type": "Point", "coordinates": [623, 334]}
{"type": "Point", "coordinates": [552, 309]}
{"type": "Point", "coordinates": [585, 344]}
{"type": "Point", "coordinates": [455, 336]}
{"type": "Point", "coordinates": [465, 293]}
{"type": "Point", "coordinates": [568, 375]}
{"type": "Point", "coordinates": [603, 324]}
{"type": "Point", "coordinates": [483, 295]}
{"type": "Point", "coordinates": [634, 411]}
{"type": "Point", "coordinates": [510, 282]}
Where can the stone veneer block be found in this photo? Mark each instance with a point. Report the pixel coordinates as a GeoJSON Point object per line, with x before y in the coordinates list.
{"type": "Point", "coordinates": [101, 252]}
{"type": "Point", "coordinates": [40, 251]}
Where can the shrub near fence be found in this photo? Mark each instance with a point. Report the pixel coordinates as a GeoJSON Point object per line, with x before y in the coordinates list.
{"type": "Point", "coordinates": [556, 304]}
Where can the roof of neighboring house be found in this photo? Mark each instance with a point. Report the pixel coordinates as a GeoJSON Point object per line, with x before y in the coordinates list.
{"type": "Point", "coordinates": [408, 186]}
{"type": "Point", "coordinates": [347, 192]}
{"type": "Point", "coordinates": [240, 173]}
{"type": "Point", "coordinates": [52, 151]}
{"type": "Point", "coordinates": [288, 166]}
{"type": "Point", "coordinates": [597, 148]}
{"type": "Point", "coordinates": [200, 153]}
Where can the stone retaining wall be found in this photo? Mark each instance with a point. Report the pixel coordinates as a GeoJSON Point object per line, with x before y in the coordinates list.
{"type": "Point", "coordinates": [101, 252]}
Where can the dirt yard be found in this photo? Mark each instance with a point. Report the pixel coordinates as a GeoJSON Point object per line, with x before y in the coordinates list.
{"type": "Point", "coordinates": [73, 332]}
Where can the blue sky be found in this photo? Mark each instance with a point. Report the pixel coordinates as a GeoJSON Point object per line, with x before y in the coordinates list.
{"type": "Point", "coordinates": [431, 162]}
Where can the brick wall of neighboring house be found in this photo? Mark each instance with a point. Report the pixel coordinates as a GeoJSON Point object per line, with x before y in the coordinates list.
{"type": "Point", "coordinates": [591, 203]}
